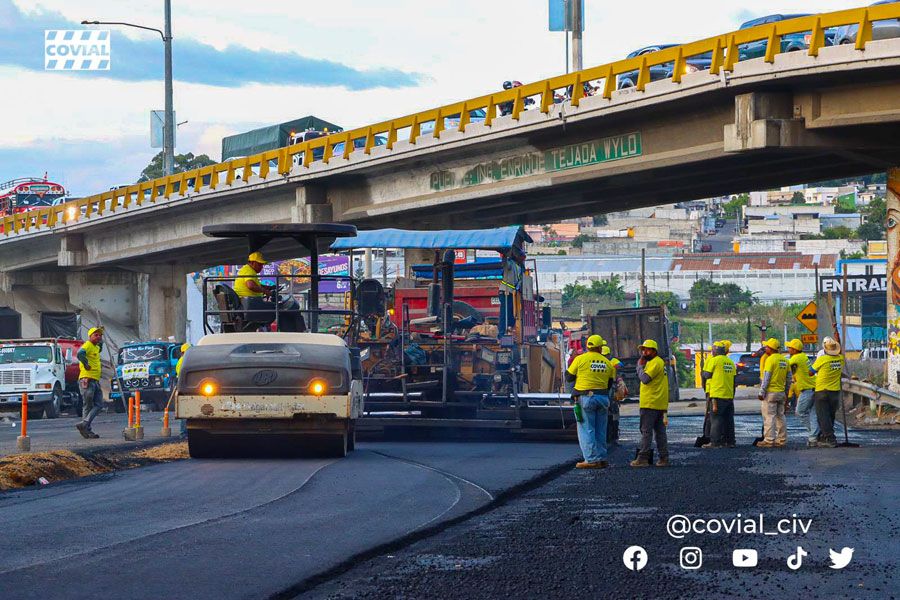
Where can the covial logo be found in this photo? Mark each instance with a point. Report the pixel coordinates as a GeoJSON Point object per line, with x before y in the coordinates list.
{"type": "Point", "coordinates": [76, 50]}
{"type": "Point", "coordinates": [635, 558]}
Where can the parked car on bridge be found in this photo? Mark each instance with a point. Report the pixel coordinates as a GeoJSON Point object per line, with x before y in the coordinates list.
{"type": "Point", "coordinates": [663, 71]}
{"type": "Point", "coordinates": [747, 368]}
{"type": "Point", "coordinates": [791, 42]}
{"type": "Point", "coordinates": [881, 30]}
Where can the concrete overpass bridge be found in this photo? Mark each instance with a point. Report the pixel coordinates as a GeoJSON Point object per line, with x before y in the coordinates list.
{"type": "Point", "coordinates": [739, 125]}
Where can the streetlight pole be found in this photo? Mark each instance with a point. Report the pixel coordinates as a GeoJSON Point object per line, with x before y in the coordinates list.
{"type": "Point", "coordinates": [169, 117]}
{"type": "Point", "coordinates": [169, 124]}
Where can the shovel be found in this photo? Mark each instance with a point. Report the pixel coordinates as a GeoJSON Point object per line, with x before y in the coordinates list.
{"type": "Point", "coordinates": [704, 439]}
{"type": "Point", "coordinates": [761, 435]}
{"type": "Point", "coordinates": [846, 443]}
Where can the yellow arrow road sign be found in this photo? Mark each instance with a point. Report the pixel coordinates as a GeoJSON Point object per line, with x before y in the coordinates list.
{"type": "Point", "coordinates": [809, 317]}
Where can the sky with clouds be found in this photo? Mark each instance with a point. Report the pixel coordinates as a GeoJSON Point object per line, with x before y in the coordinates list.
{"type": "Point", "coordinates": [240, 65]}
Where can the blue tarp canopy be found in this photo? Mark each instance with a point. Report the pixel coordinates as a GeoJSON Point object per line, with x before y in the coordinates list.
{"type": "Point", "coordinates": [500, 239]}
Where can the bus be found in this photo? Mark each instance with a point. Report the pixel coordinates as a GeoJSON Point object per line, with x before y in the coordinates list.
{"type": "Point", "coordinates": [28, 193]}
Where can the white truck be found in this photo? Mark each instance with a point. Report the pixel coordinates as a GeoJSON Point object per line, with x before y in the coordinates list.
{"type": "Point", "coordinates": [46, 369]}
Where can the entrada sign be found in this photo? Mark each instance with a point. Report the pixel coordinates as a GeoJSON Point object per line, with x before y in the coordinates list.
{"type": "Point", "coordinates": [856, 284]}
{"type": "Point", "coordinates": [535, 163]}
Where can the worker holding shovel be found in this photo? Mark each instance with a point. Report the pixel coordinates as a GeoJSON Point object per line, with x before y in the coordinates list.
{"type": "Point", "coordinates": [719, 372]}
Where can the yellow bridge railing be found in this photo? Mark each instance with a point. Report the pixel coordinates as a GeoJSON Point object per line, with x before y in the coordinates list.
{"type": "Point", "coordinates": [723, 49]}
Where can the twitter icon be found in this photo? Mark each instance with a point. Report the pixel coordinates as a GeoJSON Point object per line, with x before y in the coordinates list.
{"type": "Point", "coordinates": [841, 559]}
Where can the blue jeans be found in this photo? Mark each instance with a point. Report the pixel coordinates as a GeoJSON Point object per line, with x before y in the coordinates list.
{"type": "Point", "coordinates": [592, 432]}
{"type": "Point", "coordinates": [807, 414]}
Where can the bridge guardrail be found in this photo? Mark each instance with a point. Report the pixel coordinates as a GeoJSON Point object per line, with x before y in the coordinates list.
{"type": "Point", "coordinates": [871, 392]}
{"type": "Point", "coordinates": [724, 50]}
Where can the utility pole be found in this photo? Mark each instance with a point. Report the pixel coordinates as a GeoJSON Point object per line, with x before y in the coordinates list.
{"type": "Point", "coordinates": [169, 125]}
{"type": "Point", "coordinates": [577, 27]}
{"type": "Point", "coordinates": [643, 277]}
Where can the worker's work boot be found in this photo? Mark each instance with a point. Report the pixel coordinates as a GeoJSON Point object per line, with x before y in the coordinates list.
{"type": "Point", "coordinates": [640, 461]}
{"type": "Point", "coordinates": [663, 462]}
{"type": "Point", "coordinates": [780, 444]}
{"type": "Point", "coordinates": [711, 445]}
{"type": "Point", "coordinates": [83, 430]}
{"type": "Point", "coordinates": [827, 444]}
{"type": "Point", "coordinates": [92, 435]}
{"type": "Point", "coordinates": [765, 444]}
{"type": "Point", "coordinates": [592, 465]}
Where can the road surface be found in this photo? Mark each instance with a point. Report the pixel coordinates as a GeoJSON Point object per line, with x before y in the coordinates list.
{"type": "Point", "coordinates": [566, 539]}
{"type": "Point", "coordinates": [245, 528]}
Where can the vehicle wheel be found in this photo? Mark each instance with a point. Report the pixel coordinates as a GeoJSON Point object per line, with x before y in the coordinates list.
{"type": "Point", "coordinates": [35, 413]}
{"type": "Point", "coordinates": [200, 444]}
{"type": "Point", "coordinates": [335, 446]}
{"type": "Point", "coordinates": [52, 410]}
{"type": "Point", "coordinates": [462, 310]}
{"type": "Point", "coordinates": [625, 84]}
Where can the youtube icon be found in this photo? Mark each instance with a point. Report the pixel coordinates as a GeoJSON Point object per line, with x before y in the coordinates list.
{"type": "Point", "coordinates": [744, 558]}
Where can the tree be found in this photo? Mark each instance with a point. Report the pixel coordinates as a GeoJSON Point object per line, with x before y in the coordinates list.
{"type": "Point", "coordinates": [611, 288]}
{"type": "Point", "coordinates": [600, 220]}
{"type": "Point", "coordinates": [580, 239]}
{"type": "Point", "coordinates": [876, 215]}
{"type": "Point", "coordinates": [732, 208]}
{"type": "Point", "coordinates": [183, 162]}
{"type": "Point", "coordinates": [798, 198]}
{"type": "Point", "coordinates": [839, 232]}
{"type": "Point", "coordinates": [710, 297]}
{"type": "Point", "coordinates": [667, 299]}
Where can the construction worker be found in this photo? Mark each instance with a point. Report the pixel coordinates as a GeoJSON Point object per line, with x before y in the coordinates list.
{"type": "Point", "coordinates": [719, 374]}
{"type": "Point", "coordinates": [804, 388]}
{"type": "Point", "coordinates": [776, 379]}
{"type": "Point", "coordinates": [591, 373]}
{"type": "Point", "coordinates": [184, 349]}
{"type": "Point", "coordinates": [253, 297]}
{"type": "Point", "coordinates": [89, 381]}
{"type": "Point", "coordinates": [654, 403]}
{"type": "Point", "coordinates": [827, 369]}
{"type": "Point", "coordinates": [612, 426]}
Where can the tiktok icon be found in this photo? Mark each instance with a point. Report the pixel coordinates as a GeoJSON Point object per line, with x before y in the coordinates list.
{"type": "Point", "coordinates": [795, 560]}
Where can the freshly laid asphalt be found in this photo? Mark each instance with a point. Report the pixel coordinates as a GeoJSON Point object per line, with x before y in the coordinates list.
{"type": "Point", "coordinates": [566, 539]}
{"type": "Point", "coordinates": [246, 528]}
{"type": "Point", "coordinates": [438, 519]}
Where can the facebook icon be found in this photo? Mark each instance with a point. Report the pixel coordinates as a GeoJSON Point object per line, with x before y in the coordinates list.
{"type": "Point", "coordinates": [635, 558]}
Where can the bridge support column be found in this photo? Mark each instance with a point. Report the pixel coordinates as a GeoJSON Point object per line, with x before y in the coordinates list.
{"type": "Point", "coordinates": [312, 205]}
{"type": "Point", "coordinates": [892, 230]}
{"type": "Point", "coordinates": [162, 302]}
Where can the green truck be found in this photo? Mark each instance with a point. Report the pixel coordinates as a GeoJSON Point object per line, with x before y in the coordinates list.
{"type": "Point", "coordinates": [272, 137]}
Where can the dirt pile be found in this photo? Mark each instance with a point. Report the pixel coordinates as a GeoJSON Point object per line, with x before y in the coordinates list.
{"type": "Point", "coordinates": [23, 470]}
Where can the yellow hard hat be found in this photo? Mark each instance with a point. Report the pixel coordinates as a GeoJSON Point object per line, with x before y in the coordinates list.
{"type": "Point", "coordinates": [257, 257]}
{"type": "Point", "coordinates": [795, 344]}
{"type": "Point", "coordinates": [772, 343]}
{"type": "Point", "coordinates": [720, 344]}
{"type": "Point", "coordinates": [185, 346]}
{"type": "Point", "coordinates": [605, 350]}
{"type": "Point", "coordinates": [94, 330]}
{"type": "Point", "coordinates": [649, 344]}
{"type": "Point", "coordinates": [727, 345]}
{"type": "Point", "coordinates": [595, 341]}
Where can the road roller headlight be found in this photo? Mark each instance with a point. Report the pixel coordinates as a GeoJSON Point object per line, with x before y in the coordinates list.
{"type": "Point", "coordinates": [208, 388]}
{"type": "Point", "coordinates": [317, 387]}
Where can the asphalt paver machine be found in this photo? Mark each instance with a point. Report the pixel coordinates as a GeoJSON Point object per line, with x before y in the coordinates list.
{"type": "Point", "coordinates": [245, 389]}
{"type": "Point", "coordinates": [459, 341]}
